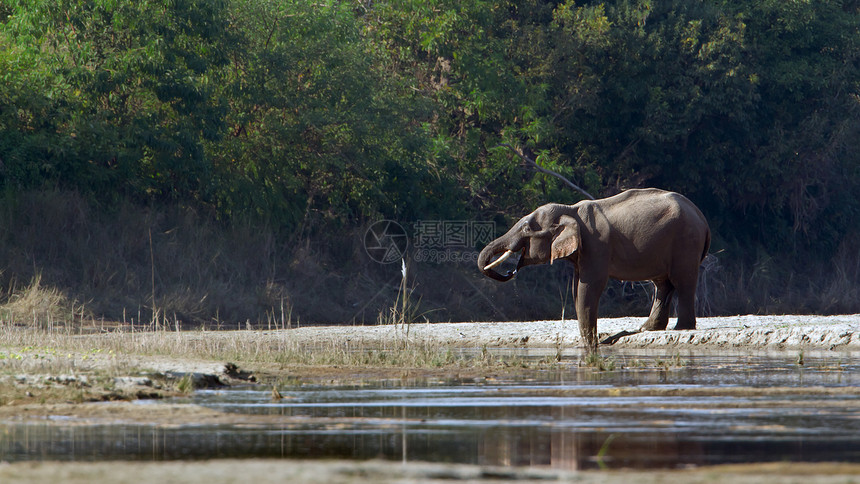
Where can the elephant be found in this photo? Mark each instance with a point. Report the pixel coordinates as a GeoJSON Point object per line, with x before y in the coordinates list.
{"type": "Point", "coordinates": [638, 235]}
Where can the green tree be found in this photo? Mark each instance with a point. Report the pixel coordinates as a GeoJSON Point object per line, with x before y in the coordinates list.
{"type": "Point", "coordinates": [750, 109]}
{"type": "Point", "coordinates": [322, 128]}
{"type": "Point", "coordinates": [131, 87]}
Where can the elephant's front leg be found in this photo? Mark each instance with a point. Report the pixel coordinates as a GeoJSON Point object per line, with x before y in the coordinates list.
{"type": "Point", "coordinates": [587, 302]}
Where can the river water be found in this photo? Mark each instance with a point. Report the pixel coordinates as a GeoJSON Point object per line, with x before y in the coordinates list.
{"type": "Point", "coordinates": [645, 411]}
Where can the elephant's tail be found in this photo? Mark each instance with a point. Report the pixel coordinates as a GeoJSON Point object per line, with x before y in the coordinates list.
{"type": "Point", "coordinates": [707, 245]}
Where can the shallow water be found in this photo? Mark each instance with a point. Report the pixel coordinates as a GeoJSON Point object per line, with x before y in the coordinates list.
{"type": "Point", "coordinates": [651, 411]}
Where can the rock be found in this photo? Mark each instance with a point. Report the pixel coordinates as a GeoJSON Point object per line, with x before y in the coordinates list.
{"type": "Point", "coordinates": [125, 382]}
{"type": "Point", "coordinates": [198, 380]}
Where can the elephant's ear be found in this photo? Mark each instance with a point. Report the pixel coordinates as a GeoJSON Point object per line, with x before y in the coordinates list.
{"type": "Point", "coordinates": [567, 241]}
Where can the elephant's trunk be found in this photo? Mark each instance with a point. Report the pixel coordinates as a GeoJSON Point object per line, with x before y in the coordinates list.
{"type": "Point", "coordinates": [488, 268]}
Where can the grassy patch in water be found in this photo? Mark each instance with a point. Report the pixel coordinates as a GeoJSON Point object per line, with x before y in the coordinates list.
{"type": "Point", "coordinates": [27, 350]}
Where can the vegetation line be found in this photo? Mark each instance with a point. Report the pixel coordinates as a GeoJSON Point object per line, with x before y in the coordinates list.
{"type": "Point", "coordinates": [258, 140]}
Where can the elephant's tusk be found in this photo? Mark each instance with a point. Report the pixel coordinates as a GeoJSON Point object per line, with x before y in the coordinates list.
{"type": "Point", "coordinates": [498, 261]}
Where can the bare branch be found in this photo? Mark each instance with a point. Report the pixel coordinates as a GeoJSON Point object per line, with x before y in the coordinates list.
{"type": "Point", "coordinates": [541, 169]}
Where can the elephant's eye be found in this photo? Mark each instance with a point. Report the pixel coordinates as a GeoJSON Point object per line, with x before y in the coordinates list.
{"type": "Point", "coordinates": [526, 228]}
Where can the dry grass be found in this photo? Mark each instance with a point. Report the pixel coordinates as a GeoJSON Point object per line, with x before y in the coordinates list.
{"type": "Point", "coordinates": [40, 307]}
{"type": "Point", "coordinates": [59, 351]}
{"type": "Point", "coordinates": [42, 331]}
{"type": "Point", "coordinates": [771, 285]}
{"type": "Point", "coordinates": [169, 265]}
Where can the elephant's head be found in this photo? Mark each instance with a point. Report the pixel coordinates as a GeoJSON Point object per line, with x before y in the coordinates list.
{"type": "Point", "coordinates": [551, 232]}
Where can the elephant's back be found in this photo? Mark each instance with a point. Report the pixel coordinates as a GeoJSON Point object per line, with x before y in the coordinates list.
{"type": "Point", "coordinates": [651, 205]}
{"type": "Point", "coordinates": [653, 221]}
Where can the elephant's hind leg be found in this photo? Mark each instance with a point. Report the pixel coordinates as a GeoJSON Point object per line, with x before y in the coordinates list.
{"type": "Point", "coordinates": [659, 318]}
{"type": "Point", "coordinates": [687, 304]}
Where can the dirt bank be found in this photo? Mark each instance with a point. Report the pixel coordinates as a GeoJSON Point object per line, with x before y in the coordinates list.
{"type": "Point", "coordinates": [735, 332]}
{"type": "Point", "coordinates": [129, 365]}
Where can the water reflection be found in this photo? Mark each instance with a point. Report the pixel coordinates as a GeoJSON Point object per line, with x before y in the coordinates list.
{"type": "Point", "coordinates": [572, 419]}
{"type": "Point", "coordinates": [505, 446]}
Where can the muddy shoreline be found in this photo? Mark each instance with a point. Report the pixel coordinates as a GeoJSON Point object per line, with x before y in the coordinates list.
{"type": "Point", "coordinates": [133, 375]}
{"type": "Point", "coordinates": [136, 376]}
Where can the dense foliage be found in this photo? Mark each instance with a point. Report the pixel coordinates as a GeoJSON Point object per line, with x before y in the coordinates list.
{"type": "Point", "coordinates": [321, 114]}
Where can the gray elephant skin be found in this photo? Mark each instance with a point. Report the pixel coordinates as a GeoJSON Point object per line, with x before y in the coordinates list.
{"type": "Point", "coordinates": [637, 235]}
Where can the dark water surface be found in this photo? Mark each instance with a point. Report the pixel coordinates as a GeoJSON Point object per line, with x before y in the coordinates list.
{"type": "Point", "coordinates": [650, 411]}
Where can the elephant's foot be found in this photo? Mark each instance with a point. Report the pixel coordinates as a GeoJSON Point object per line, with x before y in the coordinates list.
{"type": "Point", "coordinates": [685, 324]}
{"type": "Point", "coordinates": [591, 343]}
{"type": "Point", "coordinates": [588, 332]}
{"type": "Point", "coordinates": [654, 325]}
{"type": "Point", "coordinates": [589, 338]}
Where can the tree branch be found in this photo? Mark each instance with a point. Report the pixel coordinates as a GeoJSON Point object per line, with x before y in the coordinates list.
{"type": "Point", "coordinates": [541, 169]}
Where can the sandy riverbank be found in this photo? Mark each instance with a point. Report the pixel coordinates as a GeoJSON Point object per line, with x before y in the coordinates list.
{"type": "Point", "coordinates": [732, 332]}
